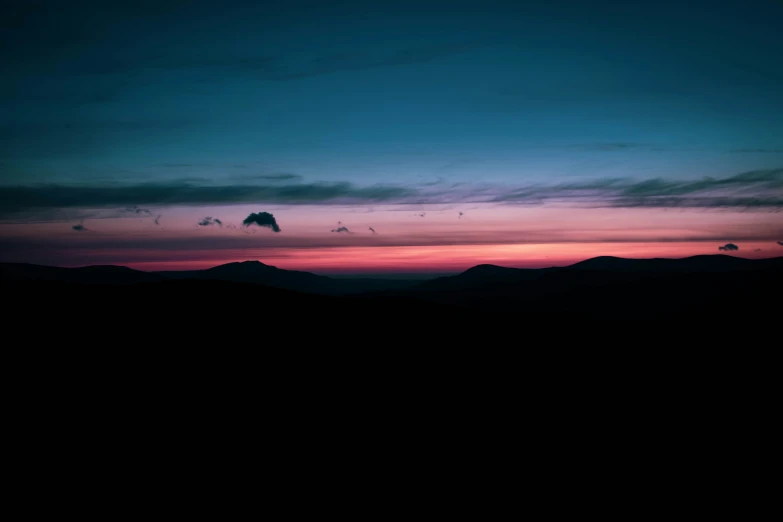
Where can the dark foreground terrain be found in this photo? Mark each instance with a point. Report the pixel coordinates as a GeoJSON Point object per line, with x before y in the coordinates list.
{"type": "Point", "coordinates": [705, 297]}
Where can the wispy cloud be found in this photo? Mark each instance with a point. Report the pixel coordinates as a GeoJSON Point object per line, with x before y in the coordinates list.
{"type": "Point", "coordinates": [136, 210]}
{"type": "Point", "coordinates": [283, 176]}
{"type": "Point", "coordinates": [758, 189]}
{"type": "Point", "coordinates": [26, 197]}
{"type": "Point", "coordinates": [139, 247]}
{"type": "Point", "coordinates": [754, 189]}
{"type": "Point", "coordinates": [208, 221]}
{"type": "Point", "coordinates": [757, 151]}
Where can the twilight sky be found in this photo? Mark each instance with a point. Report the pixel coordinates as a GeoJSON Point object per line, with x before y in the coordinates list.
{"type": "Point", "coordinates": [388, 136]}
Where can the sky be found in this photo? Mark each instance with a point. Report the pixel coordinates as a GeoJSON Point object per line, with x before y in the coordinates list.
{"type": "Point", "coordinates": [388, 137]}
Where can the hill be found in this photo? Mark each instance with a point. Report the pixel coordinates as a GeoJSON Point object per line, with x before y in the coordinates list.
{"type": "Point", "coordinates": [713, 291]}
{"type": "Point", "coordinates": [253, 272]}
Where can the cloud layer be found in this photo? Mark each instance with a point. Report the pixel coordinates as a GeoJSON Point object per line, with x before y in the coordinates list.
{"type": "Point", "coordinates": [759, 189]}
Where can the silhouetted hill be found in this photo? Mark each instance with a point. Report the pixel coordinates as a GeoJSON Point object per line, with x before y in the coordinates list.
{"type": "Point", "coordinates": [702, 263]}
{"type": "Point", "coordinates": [482, 275]}
{"type": "Point", "coordinates": [98, 274]}
{"type": "Point", "coordinates": [220, 315]}
{"type": "Point", "coordinates": [616, 288]}
{"type": "Point", "coordinates": [712, 290]}
{"type": "Point", "coordinates": [240, 272]}
{"type": "Point", "coordinates": [260, 273]}
{"type": "Point", "coordinates": [487, 277]}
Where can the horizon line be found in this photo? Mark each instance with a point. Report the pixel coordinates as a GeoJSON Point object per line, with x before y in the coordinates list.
{"type": "Point", "coordinates": [435, 273]}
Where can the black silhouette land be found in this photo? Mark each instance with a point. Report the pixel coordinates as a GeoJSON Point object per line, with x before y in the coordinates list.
{"type": "Point", "coordinates": [708, 291]}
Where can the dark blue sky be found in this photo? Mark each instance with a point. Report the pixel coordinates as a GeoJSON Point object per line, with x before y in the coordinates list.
{"type": "Point", "coordinates": [370, 92]}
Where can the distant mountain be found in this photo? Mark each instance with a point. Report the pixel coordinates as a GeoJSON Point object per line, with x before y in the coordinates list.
{"type": "Point", "coordinates": [715, 291]}
{"type": "Point", "coordinates": [240, 272]}
{"type": "Point", "coordinates": [487, 277]}
{"type": "Point", "coordinates": [476, 285]}
{"type": "Point", "coordinates": [259, 273]}
{"type": "Point", "coordinates": [616, 288]}
{"type": "Point", "coordinates": [481, 276]}
{"type": "Point", "coordinates": [702, 263]}
{"type": "Point", "coordinates": [98, 274]}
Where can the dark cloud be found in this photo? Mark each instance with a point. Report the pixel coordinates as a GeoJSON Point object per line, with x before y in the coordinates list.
{"type": "Point", "coordinates": [342, 229]}
{"type": "Point", "coordinates": [373, 230]}
{"type": "Point", "coordinates": [757, 151]}
{"type": "Point", "coordinates": [262, 219]}
{"type": "Point", "coordinates": [80, 228]}
{"type": "Point", "coordinates": [207, 221]}
{"type": "Point", "coordinates": [729, 247]}
{"type": "Point", "coordinates": [136, 210]}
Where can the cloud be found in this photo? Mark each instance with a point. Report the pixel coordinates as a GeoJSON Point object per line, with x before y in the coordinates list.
{"type": "Point", "coordinates": [157, 219]}
{"type": "Point", "coordinates": [275, 177]}
{"type": "Point", "coordinates": [757, 151]}
{"type": "Point", "coordinates": [373, 230]}
{"type": "Point", "coordinates": [207, 221]}
{"type": "Point", "coordinates": [47, 196]}
{"type": "Point", "coordinates": [615, 146]}
{"type": "Point", "coordinates": [759, 189]}
{"type": "Point", "coordinates": [137, 210]}
{"type": "Point", "coordinates": [80, 228]}
{"type": "Point", "coordinates": [94, 248]}
{"type": "Point", "coordinates": [730, 247]}
{"type": "Point", "coordinates": [262, 219]}
{"type": "Point", "coordinates": [342, 229]}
